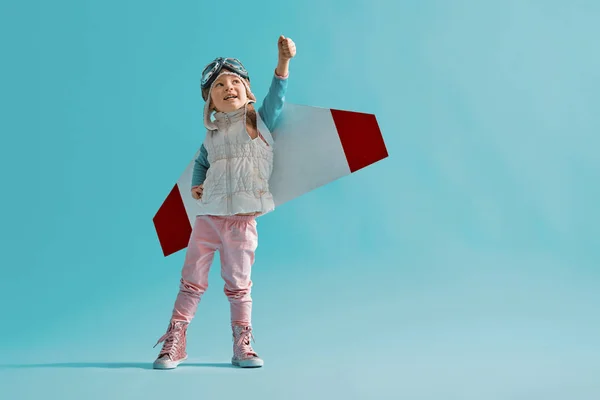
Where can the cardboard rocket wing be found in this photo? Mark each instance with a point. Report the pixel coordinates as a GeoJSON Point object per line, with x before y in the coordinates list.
{"type": "Point", "coordinates": [313, 146]}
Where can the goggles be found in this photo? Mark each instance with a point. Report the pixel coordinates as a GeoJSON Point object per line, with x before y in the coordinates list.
{"type": "Point", "coordinates": [211, 71]}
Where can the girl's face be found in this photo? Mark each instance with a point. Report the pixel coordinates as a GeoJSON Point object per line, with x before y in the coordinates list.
{"type": "Point", "coordinates": [228, 93]}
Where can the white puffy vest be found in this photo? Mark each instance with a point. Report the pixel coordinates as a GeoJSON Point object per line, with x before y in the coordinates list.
{"type": "Point", "coordinates": [237, 181]}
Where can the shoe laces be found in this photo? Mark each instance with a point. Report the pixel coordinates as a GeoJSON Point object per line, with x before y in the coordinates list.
{"type": "Point", "coordinates": [172, 339]}
{"type": "Point", "coordinates": [243, 341]}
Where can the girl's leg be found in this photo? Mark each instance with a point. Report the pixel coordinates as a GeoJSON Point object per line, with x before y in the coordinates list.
{"type": "Point", "coordinates": [204, 241]}
{"type": "Point", "coordinates": [239, 241]}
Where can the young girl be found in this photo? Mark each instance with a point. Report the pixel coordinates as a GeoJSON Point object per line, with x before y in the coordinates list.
{"type": "Point", "coordinates": [231, 181]}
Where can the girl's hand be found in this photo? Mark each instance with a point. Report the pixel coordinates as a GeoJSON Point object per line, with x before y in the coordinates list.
{"type": "Point", "coordinates": [287, 48]}
{"type": "Point", "coordinates": [197, 191]}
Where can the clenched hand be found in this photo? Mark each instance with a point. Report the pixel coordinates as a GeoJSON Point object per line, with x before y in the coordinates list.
{"type": "Point", "coordinates": [287, 48]}
{"type": "Point", "coordinates": [197, 192]}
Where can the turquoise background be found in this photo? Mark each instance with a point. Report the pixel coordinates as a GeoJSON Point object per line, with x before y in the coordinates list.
{"type": "Point", "coordinates": [464, 266]}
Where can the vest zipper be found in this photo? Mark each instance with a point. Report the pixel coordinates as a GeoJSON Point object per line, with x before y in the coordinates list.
{"type": "Point", "coordinates": [227, 166]}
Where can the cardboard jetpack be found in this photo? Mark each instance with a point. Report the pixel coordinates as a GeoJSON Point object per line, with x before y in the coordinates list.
{"type": "Point", "coordinates": [313, 147]}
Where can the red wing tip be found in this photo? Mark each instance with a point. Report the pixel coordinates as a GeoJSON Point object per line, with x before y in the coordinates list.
{"type": "Point", "coordinates": [172, 224]}
{"type": "Point", "coordinates": [361, 138]}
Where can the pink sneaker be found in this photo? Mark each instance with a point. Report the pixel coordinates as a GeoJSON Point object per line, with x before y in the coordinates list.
{"type": "Point", "coordinates": [243, 354]}
{"type": "Point", "coordinates": [173, 351]}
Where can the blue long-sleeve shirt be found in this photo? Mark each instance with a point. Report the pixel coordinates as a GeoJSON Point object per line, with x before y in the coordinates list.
{"type": "Point", "coordinates": [269, 112]}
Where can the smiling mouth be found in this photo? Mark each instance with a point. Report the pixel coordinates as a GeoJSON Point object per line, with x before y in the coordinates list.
{"type": "Point", "coordinates": [230, 97]}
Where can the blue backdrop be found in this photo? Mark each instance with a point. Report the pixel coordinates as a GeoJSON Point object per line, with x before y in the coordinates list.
{"type": "Point", "coordinates": [466, 265]}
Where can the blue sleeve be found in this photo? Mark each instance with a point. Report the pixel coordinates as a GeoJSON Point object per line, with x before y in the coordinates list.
{"type": "Point", "coordinates": [201, 165]}
{"type": "Point", "coordinates": [272, 105]}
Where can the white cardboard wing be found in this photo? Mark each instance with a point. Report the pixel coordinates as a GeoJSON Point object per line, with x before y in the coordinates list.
{"type": "Point", "coordinates": [313, 147]}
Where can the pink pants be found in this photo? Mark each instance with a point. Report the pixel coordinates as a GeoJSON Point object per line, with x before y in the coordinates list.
{"type": "Point", "coordinates": [236, 239]}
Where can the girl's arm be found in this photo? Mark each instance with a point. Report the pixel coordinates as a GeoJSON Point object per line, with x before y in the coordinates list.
{"type": "Point", "coordinates": [273, 103]}
{"type": "Point", "coordinates": [201, 165]}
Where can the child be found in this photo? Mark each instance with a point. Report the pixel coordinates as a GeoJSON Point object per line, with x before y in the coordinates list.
{"type": "Point", "coordinates": [231, 181]}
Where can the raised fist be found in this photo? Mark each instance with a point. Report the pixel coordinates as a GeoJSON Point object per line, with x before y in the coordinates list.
{"type": "Point", "coordinates": [287, 48]}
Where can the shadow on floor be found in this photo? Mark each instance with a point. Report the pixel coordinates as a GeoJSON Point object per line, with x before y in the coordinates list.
{"type": "Point", "coordinates": [110, 365]}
